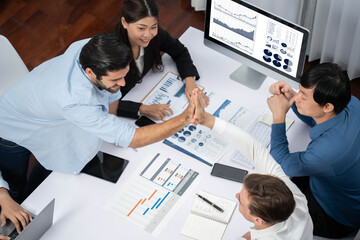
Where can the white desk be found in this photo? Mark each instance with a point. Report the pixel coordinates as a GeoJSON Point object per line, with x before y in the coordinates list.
{"type": "Point", "coordinates": [79, 212]}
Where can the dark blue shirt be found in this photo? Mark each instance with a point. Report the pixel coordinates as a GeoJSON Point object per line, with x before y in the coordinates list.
{"type": "Point", "coordinates": [331, 160]}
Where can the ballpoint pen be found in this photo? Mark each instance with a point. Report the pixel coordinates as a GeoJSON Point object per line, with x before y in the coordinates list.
{"type": "Point", "coordinates": [209, 202]}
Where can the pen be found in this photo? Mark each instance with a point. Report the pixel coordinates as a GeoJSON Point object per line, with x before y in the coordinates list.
{"type": "Point", "coordinates": [212, 204]}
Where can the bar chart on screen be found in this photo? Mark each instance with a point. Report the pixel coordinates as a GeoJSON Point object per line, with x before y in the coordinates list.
{"type": "Point", "coordinates": [153, 193]}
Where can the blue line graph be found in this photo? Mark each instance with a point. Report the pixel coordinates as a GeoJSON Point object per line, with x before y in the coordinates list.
{"type": "Point", "coordinates": [248, 35]}
{"type": "Point", "coordinates": [222, 107]}
{"type": "Point", "coordinates": [250, 20]}
{"type": "Point", "coordinates": [238, 45]}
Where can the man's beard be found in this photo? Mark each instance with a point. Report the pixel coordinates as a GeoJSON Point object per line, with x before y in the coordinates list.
{"type": "Point", "coordinates": [101, 86]}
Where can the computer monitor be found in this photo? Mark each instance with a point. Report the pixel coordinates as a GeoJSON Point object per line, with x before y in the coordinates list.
{"type": "Point", "coordinates": [265, 44]}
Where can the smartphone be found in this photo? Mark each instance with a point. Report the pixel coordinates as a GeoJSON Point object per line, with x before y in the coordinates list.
{"type": "Point", "coordinates": [106, 166]}
{"type": "Point", "coordinates": [143, 121]}
{"type": "Point", "coordinates": [228, 172]}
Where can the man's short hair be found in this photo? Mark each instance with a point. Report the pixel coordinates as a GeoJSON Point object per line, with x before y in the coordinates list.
{"type": "Point", "coordinates": [330, 83]}
{"type": "Point", "coordinates": [105, 52]}
{"type": "Point", "coordinates": [269, 198]}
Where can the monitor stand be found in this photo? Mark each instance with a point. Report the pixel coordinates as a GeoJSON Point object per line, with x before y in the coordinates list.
{"type": "Point", "coordinates": [248, 77]}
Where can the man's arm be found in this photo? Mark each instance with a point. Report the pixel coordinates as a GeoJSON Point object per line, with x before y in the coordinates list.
{"type": "Point", "coordinates": [114, 130]}
{"type": "Point", "coordinates": [156, 132]}
{"type": "Point", "coordinates": [249, 147]}
{"type": "Point", "coordinates": [244, 142]}
{"type": "Point", "coordinates": [315, 160]}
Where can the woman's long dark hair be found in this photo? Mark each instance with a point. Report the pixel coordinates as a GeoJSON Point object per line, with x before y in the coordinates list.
{"type": "Point", "coordinates": [133, 11]}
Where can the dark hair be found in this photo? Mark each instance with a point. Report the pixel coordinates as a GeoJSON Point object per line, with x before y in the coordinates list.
{"type": "Point", "coordinates": [270, 198]}
{"type": "Point", "coordinates": [330, 83]}
{"type": "Point", "coordinates": [133, 11]}
{"type": "Point", "coordinates": [104, 52]}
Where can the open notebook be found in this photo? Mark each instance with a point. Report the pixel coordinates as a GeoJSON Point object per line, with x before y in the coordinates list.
{"type": "Point", "coordinates": [204, 221]}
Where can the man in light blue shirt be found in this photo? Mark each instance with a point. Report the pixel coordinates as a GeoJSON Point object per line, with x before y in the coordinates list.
{"type": "Point", "coordinates": [60, 113]}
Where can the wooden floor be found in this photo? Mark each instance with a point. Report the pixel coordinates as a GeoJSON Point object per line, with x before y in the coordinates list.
{"type": "Point", "coordinates": [42, 29]}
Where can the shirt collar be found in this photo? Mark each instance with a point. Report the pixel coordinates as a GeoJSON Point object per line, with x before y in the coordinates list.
{"type": "Point", "coordinates": [317, 130]}
{"type": "Point", "coordinates": [142, 52]}
{"type": "Point", "coordinates": [269, 231]}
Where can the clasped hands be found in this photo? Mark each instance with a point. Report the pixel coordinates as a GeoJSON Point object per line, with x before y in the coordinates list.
{"type": "Point", "coordinates": [281, 101]}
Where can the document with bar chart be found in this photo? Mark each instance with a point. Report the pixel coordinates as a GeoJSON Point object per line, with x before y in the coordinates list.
{"type": "Point", "coordinates": [170, 90]}
{"type": "Point", "coordinates": [154, 194]}
{"type": "Point", "coordinates": [203, 144]}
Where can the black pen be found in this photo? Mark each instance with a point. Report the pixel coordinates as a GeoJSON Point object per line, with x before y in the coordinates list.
{"type": "Point", "coordinates": [212, 204]}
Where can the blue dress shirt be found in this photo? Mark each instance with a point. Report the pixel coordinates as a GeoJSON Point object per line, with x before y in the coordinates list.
{"type": "Point", "coordinates": [331, 160]}
{"type": "Point", "coordinates": [57, 113]}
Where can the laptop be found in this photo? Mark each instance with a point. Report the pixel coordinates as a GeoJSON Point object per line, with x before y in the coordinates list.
{"type": "Point", "coordinates": [35, 229]}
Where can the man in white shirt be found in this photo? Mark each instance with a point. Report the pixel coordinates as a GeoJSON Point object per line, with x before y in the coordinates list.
{"type": "Point", "coordinates": [269, 199]}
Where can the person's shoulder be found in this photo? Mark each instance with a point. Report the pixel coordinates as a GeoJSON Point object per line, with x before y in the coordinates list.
{"type": "Point", "coordinates": [355, 100]}
{"type": "Point", "coordinates": [78, 44]}
{"type": "Point", "coordinates": [354, 105]}
{"type": "Point", "coordinates": [162, 31]}
{"type": "Point", "coordinates": [163, 35]}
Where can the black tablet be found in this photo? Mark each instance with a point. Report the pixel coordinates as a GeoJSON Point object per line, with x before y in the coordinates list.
{"type": "Point", "coordinates": [106, 166]}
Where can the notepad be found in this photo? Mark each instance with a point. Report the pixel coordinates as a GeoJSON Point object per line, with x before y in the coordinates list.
{"type": "Point", "coordinates": [206, 222]}
{"type": "Point", "coordinates": [267, 118]}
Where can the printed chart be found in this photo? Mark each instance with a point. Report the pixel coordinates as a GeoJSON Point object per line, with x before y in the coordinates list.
{"type": "Point", "coordinates": [170, 90]}
{"type": "Point", "coordinates": [202, 143]}
{"type": "Point", "coordinates": [153, 193]}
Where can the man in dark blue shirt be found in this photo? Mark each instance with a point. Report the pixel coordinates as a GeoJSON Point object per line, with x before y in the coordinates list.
{"type": "Point", "coordinates": [331, 162]}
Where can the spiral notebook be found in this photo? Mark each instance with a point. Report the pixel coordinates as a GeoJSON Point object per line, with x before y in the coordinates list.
{"type": "Point", "coordinates": [206, 222]}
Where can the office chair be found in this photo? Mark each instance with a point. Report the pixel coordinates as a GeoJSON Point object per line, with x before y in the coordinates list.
{"type": "Point", "coordinates": [12, 68]}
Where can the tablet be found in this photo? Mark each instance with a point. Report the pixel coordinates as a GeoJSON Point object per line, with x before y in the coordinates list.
{"type": "Point", "coordinates": [106, 166]}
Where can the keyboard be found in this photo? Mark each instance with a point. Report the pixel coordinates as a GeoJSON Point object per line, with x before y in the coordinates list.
{"type": "Point", "coordinates": [259, 131]}
{"type": "Point", "coordinates": [13, 235]}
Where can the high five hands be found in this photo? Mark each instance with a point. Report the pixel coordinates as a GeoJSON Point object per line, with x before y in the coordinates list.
{"type": "Point", "coordinates": [199, 115]}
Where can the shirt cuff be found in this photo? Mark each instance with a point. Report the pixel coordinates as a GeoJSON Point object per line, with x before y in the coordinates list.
{"type": "Point", "coordinates": [278, 129]}
{"type": "Point", "coordinates": [219, 126]}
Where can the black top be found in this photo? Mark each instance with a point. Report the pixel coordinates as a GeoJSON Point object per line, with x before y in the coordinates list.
{"type": "Point", "coordinates": [178, 52]}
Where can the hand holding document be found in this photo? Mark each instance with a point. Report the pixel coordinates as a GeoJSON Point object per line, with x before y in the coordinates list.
{"type": "Point", "coordinates": [170, 92]}
{"type": "Point", "coordinates": [157, 111]}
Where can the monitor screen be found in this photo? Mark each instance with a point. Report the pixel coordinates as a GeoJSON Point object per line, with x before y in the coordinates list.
{"type": "Point", "coordinates": [267, 44]}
